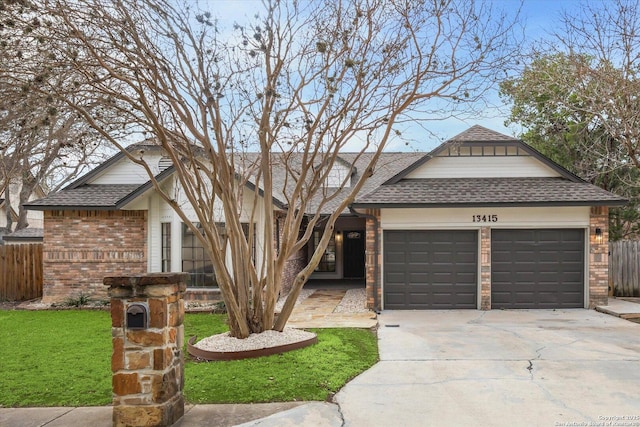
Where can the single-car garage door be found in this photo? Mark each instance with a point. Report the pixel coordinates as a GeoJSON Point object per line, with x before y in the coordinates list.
{"type": "Point", "coordinates": [430, 269]}
{"type": "Point", "coordinates": [537, 268]}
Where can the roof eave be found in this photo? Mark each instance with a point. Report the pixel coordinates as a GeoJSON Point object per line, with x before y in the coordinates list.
{"type": "Point", "coordinates": [6, 238]}
{"type": "Point", "coordinates": [71, 207]}
{"type": "Point", "coordinates": [610, 203]}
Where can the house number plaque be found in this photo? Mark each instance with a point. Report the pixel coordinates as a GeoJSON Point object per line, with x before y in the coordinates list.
{"type": "Point", "coordinates": [485, 218]}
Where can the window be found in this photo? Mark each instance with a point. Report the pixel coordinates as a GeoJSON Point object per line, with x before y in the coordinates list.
{"type": "Point", "coordinates": [166, 246]}
{"type": "Point", "coordinates": [328, 262]}
{"type": "Point", "coordinates": [195, 260]}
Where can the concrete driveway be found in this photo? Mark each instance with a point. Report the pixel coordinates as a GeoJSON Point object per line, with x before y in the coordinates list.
{"type": "Point", "coordinates": [499, 368]}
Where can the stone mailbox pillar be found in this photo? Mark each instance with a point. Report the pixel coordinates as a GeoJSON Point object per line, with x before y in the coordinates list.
{"type": "Point", "coordinates": [147, 314]}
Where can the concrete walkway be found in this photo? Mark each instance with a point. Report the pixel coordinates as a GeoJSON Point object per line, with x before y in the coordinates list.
{"type": "Point", "coordinates": [621, 308]}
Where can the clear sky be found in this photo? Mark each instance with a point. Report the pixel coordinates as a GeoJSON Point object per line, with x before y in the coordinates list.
{"type": "Point", "coordinates": [537, 16]}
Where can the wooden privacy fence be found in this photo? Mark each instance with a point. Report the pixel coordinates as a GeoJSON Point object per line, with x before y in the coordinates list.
{"type": "Point", "coordinates": [624, 268]}
{"type": "Point", "coordinates": [20, 272]}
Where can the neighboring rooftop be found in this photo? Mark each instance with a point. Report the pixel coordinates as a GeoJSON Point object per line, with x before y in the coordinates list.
{"type": "Point", "coordinates": [26, 234]}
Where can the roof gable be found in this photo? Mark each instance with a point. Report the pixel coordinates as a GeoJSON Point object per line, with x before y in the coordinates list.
{"type": "Point", "coordinates": [490, 153]}
{"type": "Point", "coordinates": [99, 175]}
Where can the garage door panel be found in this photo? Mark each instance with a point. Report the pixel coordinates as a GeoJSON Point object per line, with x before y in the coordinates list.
{"type": "Point", "coordinates": [395, 298]}
{"type": "Point", "coordinates": [438, 269]}
{"type": "Point", "coordinates": [537, 268]}
{"type": "Point", "coordinates": [466, 259]}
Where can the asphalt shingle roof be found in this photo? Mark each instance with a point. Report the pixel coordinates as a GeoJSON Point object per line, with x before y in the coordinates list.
{"type": "Point", "coordinates": [478, 133]}
{"type": "Point", "coordinates": [388, 165]}
{"type": "Point", "coordinates": [87, 196]}
{"type": "Point", "coordinates": [386, 187]}
{"type": "Point", "coordinates": [440, 192]}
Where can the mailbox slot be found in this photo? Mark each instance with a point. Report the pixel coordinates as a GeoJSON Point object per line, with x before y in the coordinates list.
{"type": "Point", "coordinates": [137, 316]}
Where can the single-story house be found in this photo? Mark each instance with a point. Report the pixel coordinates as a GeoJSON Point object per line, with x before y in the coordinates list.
{"type": "Point", "coordinates": [483, 221]}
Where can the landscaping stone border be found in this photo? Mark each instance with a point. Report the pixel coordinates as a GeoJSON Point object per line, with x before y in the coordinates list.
{"type": "Point", "coordinates": [246, 354]}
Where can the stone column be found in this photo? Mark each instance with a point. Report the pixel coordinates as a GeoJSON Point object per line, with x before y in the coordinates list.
{"type": "Point", "coordinates": [147, 314]}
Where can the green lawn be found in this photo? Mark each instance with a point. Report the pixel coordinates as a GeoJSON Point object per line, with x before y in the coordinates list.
{"type": "Point", "coordinates": [62, 358]}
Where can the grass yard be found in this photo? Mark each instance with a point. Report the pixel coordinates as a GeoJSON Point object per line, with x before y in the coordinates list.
{"type": "Point", "coordinates": [63, 358]}
{"type": "Point", "coordinates": [311, 373]}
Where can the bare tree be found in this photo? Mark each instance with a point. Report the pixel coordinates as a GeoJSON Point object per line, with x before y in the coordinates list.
{"type": "Point", "coordinates": [577, 97]}
{"type": "Point", "coordinates": [43, 142]}
{"type": "Point", "coordinates": [602, 45]}
{"type": "Point", "coordinates": [286, 90]}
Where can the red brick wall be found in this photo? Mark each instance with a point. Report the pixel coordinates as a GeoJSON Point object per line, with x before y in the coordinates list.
{"type": "Point", "coordinates": [598, 257]}
{"type": "Point", "coordinates": [485, 268]}
{"type": "Point", "coordinates": [373, 262]}
{"type": "Point", "coordinates": [82, 247]}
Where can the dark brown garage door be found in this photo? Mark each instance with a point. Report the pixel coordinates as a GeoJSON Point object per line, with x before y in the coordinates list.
{"type": "Point", "coordinates": [430, 269]}
{"type": "Point", "coordinates": [537, 268]}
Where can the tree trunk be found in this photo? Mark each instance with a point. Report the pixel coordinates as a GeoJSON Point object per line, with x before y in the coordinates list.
{"type": "Point", "coordinates": [28, 186]}
{"type": "Point", "coordinates": [7, 208]}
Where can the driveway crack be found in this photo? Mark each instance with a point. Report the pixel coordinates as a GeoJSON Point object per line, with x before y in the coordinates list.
{"type": "Point", "coordinates": [342, 422]}
{"type": "Point", "coordinates": [530, 369]}
{"type": "Point", "coordinates": [478, 319]}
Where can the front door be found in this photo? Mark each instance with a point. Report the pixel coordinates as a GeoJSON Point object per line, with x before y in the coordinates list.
{"type": "Point", "coordinates": [353, 250]}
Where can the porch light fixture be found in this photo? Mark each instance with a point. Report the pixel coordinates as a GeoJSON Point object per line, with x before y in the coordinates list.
{"type": "Point", "coordinates": [598, 234]}
{"type": "Point", "coordinates": [338, 235]}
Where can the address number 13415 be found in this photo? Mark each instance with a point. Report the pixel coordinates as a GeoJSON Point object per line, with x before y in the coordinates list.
{"type": "Point", "coordinates": [485, 218]}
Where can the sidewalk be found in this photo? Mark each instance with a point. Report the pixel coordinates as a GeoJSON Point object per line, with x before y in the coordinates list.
{"type": "Point", "coordinates": [258, 414]}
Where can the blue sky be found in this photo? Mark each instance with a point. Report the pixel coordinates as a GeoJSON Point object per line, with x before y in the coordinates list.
{"type": "Point", "coordinates": [537, 16]}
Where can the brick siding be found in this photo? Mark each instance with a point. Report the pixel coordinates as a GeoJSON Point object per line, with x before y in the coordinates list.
{"type": "Point", "coordinates": [82, 247]}
{"type": "Point", "coordinates": [598, 256]}
{"type": "Point", "coordinates": [485, 268]}
{"type": "Point", "coordinates": [373, 262]}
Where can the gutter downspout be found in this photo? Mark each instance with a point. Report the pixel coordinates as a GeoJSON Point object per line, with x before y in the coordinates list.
{"type": "Point", "coordinates": [376, 303]}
